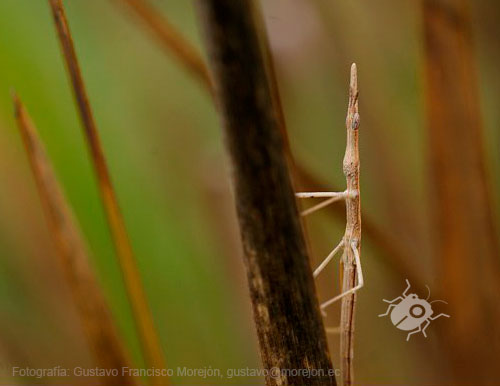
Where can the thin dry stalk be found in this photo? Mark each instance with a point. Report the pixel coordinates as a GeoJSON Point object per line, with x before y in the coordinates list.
{"type": "Point", "coordinates": [171, 39]}
{"type": "Point", "coordinates": [352, 235]}
{"type": "Point", "coordinates": [286, 311]}
{"type": "Point", "coordinates": [174, 43]}
{"type": "Point", "coordinates": [152, 351]}
{"type": "Point", "coordinates": [90, 302]}
{"type": "Point", "coordinates": [465, 234]}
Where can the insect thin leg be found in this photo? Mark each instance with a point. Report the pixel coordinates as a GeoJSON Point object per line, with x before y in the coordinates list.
{"type": "Point", "coordinates": [332, 197]}
{"type": "Point", "coordinates": [360, 279]}
{"type": "Point", "coordinates": [320, 194]}
{"type": "Point", "coordinates": [325, 262]}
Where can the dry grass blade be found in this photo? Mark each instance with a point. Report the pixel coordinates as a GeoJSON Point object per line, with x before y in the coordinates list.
{"type": "Point", "coordinates": [144, 321]}
{"type": "Point", "coordinates": [88, 297]}
{"type": "Point", "coordinates": [172, 40]}
{"type": "Point", "coordinates": [352, 235]}
{"type": "Point", "coordinates": [466, 241]}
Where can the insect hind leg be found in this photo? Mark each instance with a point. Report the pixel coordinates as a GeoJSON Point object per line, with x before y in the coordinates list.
{"type": "Point", "coordinates": [360, 284]}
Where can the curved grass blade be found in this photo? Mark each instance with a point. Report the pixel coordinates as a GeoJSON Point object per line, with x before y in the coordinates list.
{"type": "Point", "coordinates": [90, 302]}
{"type": "Point", "coordinates": [148, 336]}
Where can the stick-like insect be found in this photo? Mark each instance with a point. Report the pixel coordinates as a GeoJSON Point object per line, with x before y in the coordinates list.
{"type": "Point", "coordinates": [352, 274]}
{"type": "Point", "coordinates": [350, 243]}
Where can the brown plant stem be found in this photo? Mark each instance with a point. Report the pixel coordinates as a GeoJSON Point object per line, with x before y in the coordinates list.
{"type": "Point", "coordinates": [391, 254]}
{"type": "Point", "coordinates": [466, 243]}
{"type": "Point", "coordinates": [90, 302]}
{"type": "Point", "coordinates": [286, 312]}
{"type": "Point", "coordinates": [171, 39]}
{"type": "Point", "coordinates": [148, 336]}
{"type": "Point", "coordinates": [352, 237]}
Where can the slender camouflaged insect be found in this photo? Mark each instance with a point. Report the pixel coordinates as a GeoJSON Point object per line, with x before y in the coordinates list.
{"type": "Point", "coordinates": [350, 243]}
{"type": "Point", "coordinates": [352, 274]}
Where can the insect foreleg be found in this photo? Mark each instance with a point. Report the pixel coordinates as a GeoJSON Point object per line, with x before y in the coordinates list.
{"type": "Point", "coordinates": [331, 198]}
{"type": "Point", "coordinates": [321, 194]}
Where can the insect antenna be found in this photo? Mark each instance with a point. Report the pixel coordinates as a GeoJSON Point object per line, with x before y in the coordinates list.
{"type": "Point", "coordinates": [438, 301]}
{"type": "Point", "coordinates": [429, 292]}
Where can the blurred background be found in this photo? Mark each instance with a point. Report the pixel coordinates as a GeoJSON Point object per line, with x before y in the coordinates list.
{"type": "Point", "coordinates": [163, 143]}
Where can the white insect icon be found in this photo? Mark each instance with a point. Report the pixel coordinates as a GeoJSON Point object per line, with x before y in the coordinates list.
{"type": "Point", "coordinates": [410, 313]}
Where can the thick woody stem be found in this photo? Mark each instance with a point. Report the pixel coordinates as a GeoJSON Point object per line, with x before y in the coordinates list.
{"type": "Point", "coordinates": [286, 311]}
{"type": "Point", "coordinates": [353, 232]}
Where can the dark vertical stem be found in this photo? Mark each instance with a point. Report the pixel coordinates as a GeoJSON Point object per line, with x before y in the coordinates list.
{"type": "Point", "coordinates": [287, 317]}
{"type": "Point", "coordinates": [392, 254]}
